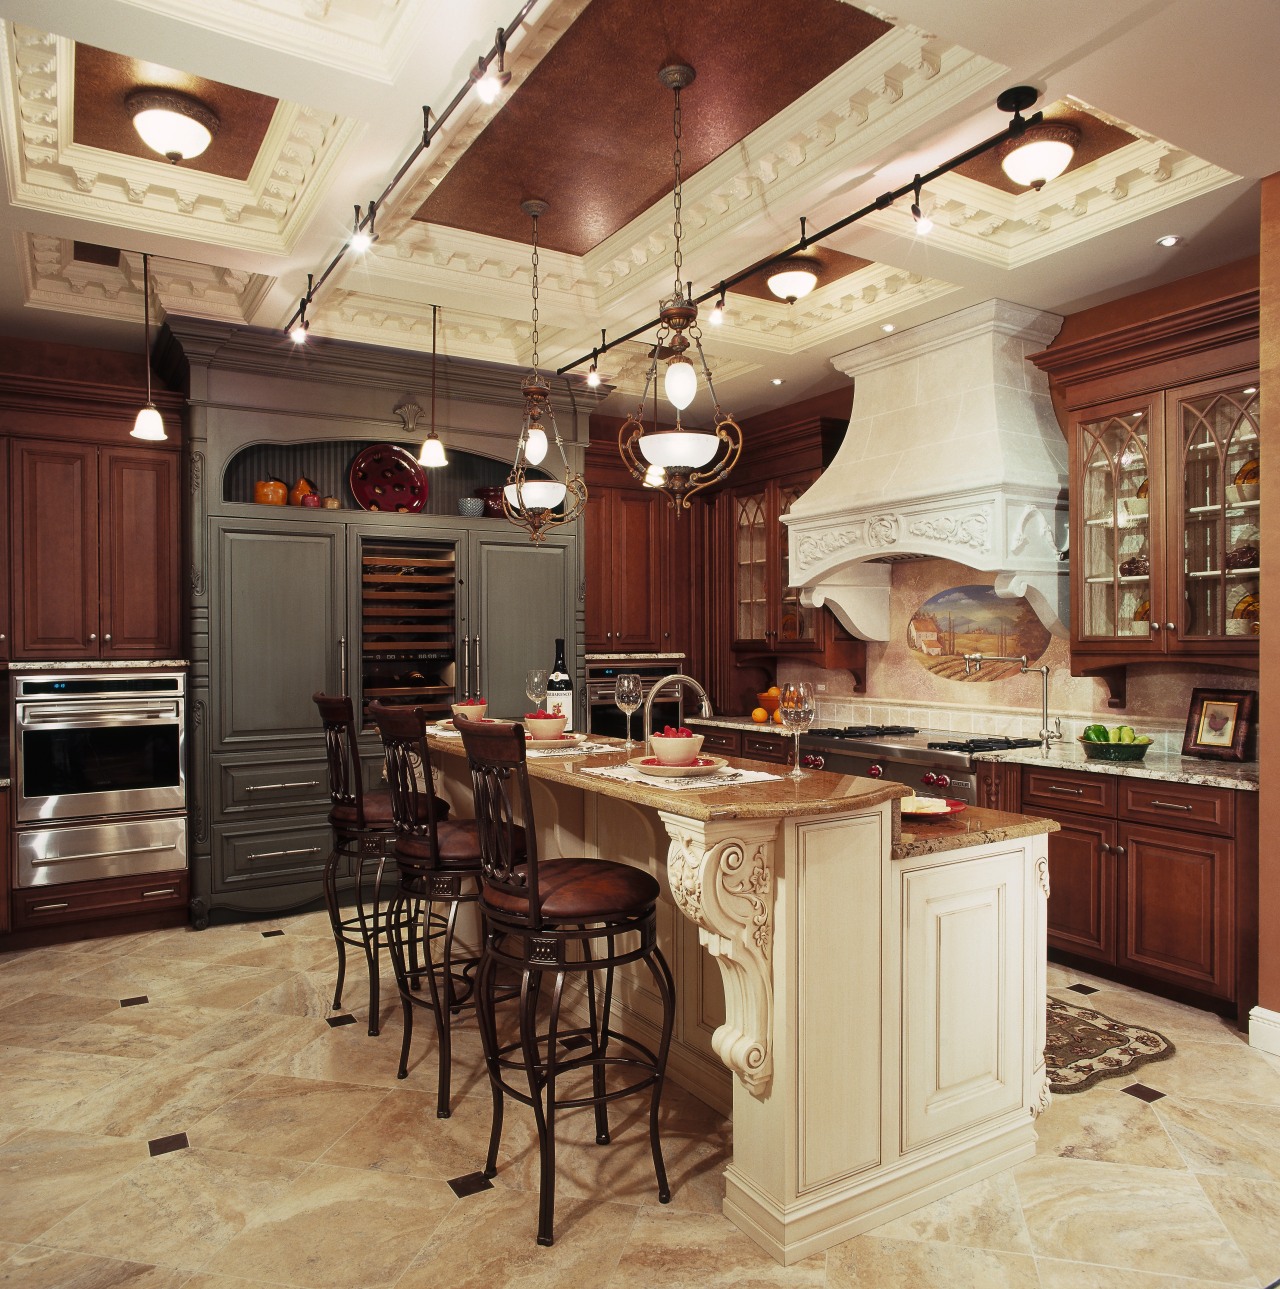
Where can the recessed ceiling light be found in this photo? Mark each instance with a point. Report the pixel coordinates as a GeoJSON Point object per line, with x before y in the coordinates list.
{"type": "Point", "coordinates": [1169, 239]}
{"type": "Point", "coordinates": [777, 380]}
{"type": "Point", "coordinates": [886, 327]}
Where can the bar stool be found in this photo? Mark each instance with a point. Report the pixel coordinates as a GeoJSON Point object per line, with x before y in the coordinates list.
{"type": "Point", "coordinates": [363, 830]}
{"type": "Point", "coordinates": [439, 865]}
{"type": "Point", "coordinates": [546, 919]}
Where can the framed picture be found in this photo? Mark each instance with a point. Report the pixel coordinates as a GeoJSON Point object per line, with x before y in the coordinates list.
{"type": "Point", "coordinates": [1220, 724]}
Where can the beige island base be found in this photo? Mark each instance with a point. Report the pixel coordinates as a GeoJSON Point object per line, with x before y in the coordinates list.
{"type": "Point", "coordinates": [868, 1003]}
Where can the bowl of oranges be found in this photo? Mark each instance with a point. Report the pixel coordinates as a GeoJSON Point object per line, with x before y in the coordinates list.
{"type": "Point", "coordinates": [767, 707]}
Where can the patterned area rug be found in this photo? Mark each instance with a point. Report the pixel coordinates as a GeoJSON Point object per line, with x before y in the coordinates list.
{"type": "Point", "coordinates": [1084, 1046]}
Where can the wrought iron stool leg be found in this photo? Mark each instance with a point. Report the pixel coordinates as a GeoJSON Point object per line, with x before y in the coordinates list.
{"type": "Point", "coordinates": [485, 976]}
{"type": "Point", "coordinates": [330, 884]}
{"type": "Point", "coordinates": [662, 977]}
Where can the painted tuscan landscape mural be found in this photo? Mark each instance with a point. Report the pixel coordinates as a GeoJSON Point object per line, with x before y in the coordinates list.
{"type": "Point", "coordinates": [973, 619]}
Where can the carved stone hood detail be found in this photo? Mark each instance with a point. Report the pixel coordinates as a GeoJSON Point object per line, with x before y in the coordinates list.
{"type": "Point", "coordinates": [952, 450]}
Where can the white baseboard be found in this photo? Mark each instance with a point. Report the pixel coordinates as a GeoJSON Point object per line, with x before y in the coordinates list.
{"type": "Point", "coordinates": [1264, 1030]}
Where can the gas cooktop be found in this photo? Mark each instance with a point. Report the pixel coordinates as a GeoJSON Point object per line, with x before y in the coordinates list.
{"type": "Point", "coordinates": [907, 743]}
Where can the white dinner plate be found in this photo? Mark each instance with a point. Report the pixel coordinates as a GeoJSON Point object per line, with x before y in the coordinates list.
{"type": "Point", "coordinates": [651, 765]}
{"type": "Point", "coordinates": [562, 740]}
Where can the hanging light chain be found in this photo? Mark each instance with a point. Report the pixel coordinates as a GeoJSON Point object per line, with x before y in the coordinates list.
{"type": "Point", "coordinates": [535, 295]}
{"type": "Point", "coordinates": [676, 193]}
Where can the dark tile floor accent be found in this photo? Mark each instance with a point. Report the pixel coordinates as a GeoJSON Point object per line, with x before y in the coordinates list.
{"type": "Point", "coordinates": [163, 1145]}
{"type": "Point", "coordinates": [469, 1184]}
{"type": "Point", "coordinates": [334, 1021]}
{"type": "Point", "coordinates": [134, 1002]}
{"type": "Point", "coordinates": [1082, 989]}
{"type": "Point", "coordinates": [266, 935]}
{"type": "Point", "coordinates": [1142, 1092]}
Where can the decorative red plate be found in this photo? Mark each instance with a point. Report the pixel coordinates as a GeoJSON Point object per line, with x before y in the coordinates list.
{"type": "Point", "coordinates": [388, 478]}
{"type": "Point", "coordinates": [697, 760]}
{"type": "Point", "coordinates": [953, 808]}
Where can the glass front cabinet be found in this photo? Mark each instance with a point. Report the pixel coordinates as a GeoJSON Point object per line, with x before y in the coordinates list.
{"type": "Point", "coordinates": [1166, 549]}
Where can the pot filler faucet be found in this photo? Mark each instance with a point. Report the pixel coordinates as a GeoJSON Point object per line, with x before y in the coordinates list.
{"type": "Point", "coordinates": [679, 679]}
{"type": "Point", "coordinates": [973, 663]}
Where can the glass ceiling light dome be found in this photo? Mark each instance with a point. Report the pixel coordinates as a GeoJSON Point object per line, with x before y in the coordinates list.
{"type": "Point", "coordinates": [1041, 154]}
{"type": "Point", "coordinates": [793, 278]}
{"type": "Point", "coordinates": [175, 125]}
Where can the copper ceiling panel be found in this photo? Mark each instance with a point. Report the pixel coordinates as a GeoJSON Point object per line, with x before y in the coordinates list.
{"type": "Point", "coordinates": [103, 80]}
{"type": "Point", "coordinates": [589, 130]}
{"type": "Point", "coordinates": [92, 253]}
{"type": "Point", "coordinates": [1097, 139]}
{"type": "Point", "coordinates": [829, 265]}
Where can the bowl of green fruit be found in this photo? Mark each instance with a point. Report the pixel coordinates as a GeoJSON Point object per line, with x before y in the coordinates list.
{"type": "Point", "coordinates": [1119, 743]}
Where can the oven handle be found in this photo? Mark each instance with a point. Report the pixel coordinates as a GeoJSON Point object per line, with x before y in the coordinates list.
{"type": "Point", "coordinates": [57, 714]}
{"type": "Point", "coordinates": [102, 854]}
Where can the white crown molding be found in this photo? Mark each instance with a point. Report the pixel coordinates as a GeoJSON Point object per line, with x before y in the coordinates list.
{"type": "Point", "coordinates": [365, 37]}
{"type": "Point", "coordinates": [50, 173]}
{"type": "Point", "coordinates": [53, 279]}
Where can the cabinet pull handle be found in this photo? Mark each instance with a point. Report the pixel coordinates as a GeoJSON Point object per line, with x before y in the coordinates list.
{"type": "Point", "coordinates": [342, 664]}
{"type": "Point", "coordinates": [106, 854]}
{"type": "Point", "coordinates": [269, 787]}
{"type": "Point", "coordinates": [151, 895]}
{"type": "Point", "coordinates": [1074, 792]}
{"type": "Point", "coordinates": [1170, 805]}
{"type": "Point", "coordinates": [49, 908]}
{"type": "Point", "coordinates": [479, 682]}
{"type": "Point", "coordinates": [280, 854]}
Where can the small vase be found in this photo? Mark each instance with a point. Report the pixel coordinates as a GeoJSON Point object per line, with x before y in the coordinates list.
{"type": "Point", "coordinates": [470, 507]}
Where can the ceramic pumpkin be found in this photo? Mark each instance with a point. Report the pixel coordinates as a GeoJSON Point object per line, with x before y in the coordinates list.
{"type": "Point", "coordinates": [270, 492]}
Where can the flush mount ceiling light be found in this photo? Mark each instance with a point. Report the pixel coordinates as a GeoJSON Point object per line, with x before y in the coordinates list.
{"type": "Point", "coordinates": [678, 461]}
{"type": "Point", "coordinates": [148, 424]}
{"type": "Point", "coordinates": [1169, 240]}
{"type": "Point", "coordinates": [793, 278]}
{"type": "Point", "coordinates": [175, 125]}
{"type": "Point", "coordinates": [1037, 151]}
{"type": "Point", "coordinates": [532, 503]}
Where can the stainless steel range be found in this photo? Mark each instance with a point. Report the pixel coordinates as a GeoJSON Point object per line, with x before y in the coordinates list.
{"type": "Point", "coordinates": [936, 763]}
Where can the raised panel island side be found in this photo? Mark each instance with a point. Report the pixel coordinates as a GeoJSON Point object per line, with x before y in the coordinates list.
{"type": "Point", "coordinates": [875, 1022]}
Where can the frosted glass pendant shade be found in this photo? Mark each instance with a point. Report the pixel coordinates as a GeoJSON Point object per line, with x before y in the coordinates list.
{"type": "Point", "coordinates": [678, 449]}
{"type": "Point", "coordinates": [539, 494]}
{"type": "Point", "coordinates": [432, 455]}
{"type": "Point", "coordinates": [680, 382]}
{"type": "Point", "coordinates": [1041, 154]}
{"type": "Point", "coordinates": [149, 425]}
{"type": "Point", "coordinates": [535, 445]}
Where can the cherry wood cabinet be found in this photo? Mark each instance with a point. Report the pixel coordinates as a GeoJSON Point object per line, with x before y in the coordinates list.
{"type": "Point", "coordinates": [1164, 430]}
{"type": "Point", "coordinates": [95, 551]}
{"type": "Point", "coordinates": [6, 618]}
{"type": "Point", "coordinates": [627, 578]}
{"type": "Point", "coordinates": [7, 882]}
{"type": "Point", "coordinates": [1151, 882]}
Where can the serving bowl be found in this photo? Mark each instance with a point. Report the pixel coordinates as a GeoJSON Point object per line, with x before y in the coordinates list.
{"type": "Point", "coordinates": [770, 702]}
{"type": "Point", "coordinates": [1114, 751]}
{"type": "Point", "coordinates": [545, 727]}
{"type": "Point", "coordinates": [675, 751]}
{"type": "Point", "coordinates": [469, 711]}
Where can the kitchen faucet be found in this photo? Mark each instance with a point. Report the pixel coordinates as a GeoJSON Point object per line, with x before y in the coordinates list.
{"type": "Point", "coordinates": [666, 680]}
{"type": "Point", "coordinates": [973, 663]}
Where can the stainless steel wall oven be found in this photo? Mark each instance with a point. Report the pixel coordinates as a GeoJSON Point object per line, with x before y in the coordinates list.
{"type": "Point", "coordinates": [99, 775]}
{"type": "Point", "coordinates": [602, 674]}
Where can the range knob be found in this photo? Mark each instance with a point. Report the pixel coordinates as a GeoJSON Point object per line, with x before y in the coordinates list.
{"type": "Point", "coordinates": [875, 771]}
{"type": "Point", "coordinates": [812, 761]}
{"type": "Point", "coordinates": [942, 780]}
{"type": "Point", "coordinates": [929, 778]}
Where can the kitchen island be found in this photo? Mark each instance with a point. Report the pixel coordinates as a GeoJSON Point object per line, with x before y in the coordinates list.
{"type": "Point", "coordinates": [876, 995]}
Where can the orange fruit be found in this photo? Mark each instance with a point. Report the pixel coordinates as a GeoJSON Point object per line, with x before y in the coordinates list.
{"type": "Point", "coordinates": [774, 690]}
{"type": "Point", "coordinates": [759, 716]}
{"type": "Point", "coordinates": [777, 717]}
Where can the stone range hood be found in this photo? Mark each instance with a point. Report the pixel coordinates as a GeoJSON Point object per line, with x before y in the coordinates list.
{"type": "Point", "coordinates": [952, 450]}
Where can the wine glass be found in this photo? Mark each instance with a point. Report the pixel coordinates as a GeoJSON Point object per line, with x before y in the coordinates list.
{"type": "Point", "coordinates": [796, 706]}
{"type": "Point", "coordinates": [628, 695]}
{"type": "Point", "coordinates": [535, 686]}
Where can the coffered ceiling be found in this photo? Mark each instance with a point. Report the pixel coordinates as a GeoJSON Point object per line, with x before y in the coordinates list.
{"type": "Point", "coordinates": [801, 108]}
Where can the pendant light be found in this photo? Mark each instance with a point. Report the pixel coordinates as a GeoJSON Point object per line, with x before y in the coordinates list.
{"type": "Point", "coordinates": [432, 455]}
{"type": "Point", "coordinates": [532, 503]}
{"type": "Point", "coordinates": [678, 461]}
{"type": "Point", "coordinates": [148, 424]}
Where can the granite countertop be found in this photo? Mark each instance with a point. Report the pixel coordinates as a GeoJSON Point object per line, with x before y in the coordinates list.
{"type": "Point", "coordinates": [975, 826]}
{"type": "Point", "coordinates": [818, 793]}
{"type": "Point", "coordinates": [98, 664]}
{"type": "Point", "coordinates": [1165, 766]}
{"type": "Point", "coordinates": [738, 723]}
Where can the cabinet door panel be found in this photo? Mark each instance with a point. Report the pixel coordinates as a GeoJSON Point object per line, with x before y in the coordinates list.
{"type": "Point", "coordinates": [597, 558]}
{"type": "Point", "coordinates": [1082, 885]}
{"type": "Point", "coordinates": [6, 619]}
{"type": "Point", "coordinates": [635, 573]}
{"type": "Point", "coordinates": [1176, 907]}
{"type": "Point", "coordinates": [280, 613]}
{"type": "Point", "coordinates": [139, 553]}
{"type": "Point", "coordinates": [55, 548]}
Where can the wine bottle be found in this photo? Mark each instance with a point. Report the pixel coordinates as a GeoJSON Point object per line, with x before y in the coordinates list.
{"type": "Point", "coordinates": [560, 689]}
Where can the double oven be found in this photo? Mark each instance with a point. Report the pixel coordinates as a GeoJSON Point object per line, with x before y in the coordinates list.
{"type": "Point", "coordinates": [98, 774]}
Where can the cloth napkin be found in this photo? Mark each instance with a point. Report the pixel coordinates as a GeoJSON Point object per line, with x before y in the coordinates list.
{"type": "Point", "coordinates": [629, 774]}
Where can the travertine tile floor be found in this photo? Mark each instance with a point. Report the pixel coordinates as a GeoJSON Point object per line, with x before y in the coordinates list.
{"type": "Point", "coordinates": [221, 1134]}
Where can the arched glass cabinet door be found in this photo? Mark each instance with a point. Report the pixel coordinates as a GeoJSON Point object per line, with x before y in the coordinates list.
{"type": "Point", "coordinates": [751, 566]}
{"type": "Point", "coordinates": [1219, 556]}
{"type": "Point", "coordinates": [1117, 496]}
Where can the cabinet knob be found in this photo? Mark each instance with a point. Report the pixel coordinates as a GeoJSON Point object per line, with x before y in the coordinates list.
{"type": "Point", "coordinates": [1105, 848]}
{"type": "Point", "coordinates": [107, 638]}
{"type": "Point", "coordinates": [1168, 626]}
{"type": "Point", "coordinates": [93, 635]}
{"type": "Point", "coordinates": [1120, 851]}
{"type": "Point", "coordinates": [1155, 626]}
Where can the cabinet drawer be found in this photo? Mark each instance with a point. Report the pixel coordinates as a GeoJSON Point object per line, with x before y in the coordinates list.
{"type": "Point", "coordinates": [728, 742]}
{"type": "Point", "coordinates": [112, 897]}
{"type": "Point", "coordinates": [269, 853]}
{"type": "Point", "coordinates": [1093, 794]}
{"type": "Point", "coordinates": [245, 786]}
{"type": "Point", "coordinates": [767, 747]}
{"type": "Point", "coordinates": [1178, 805]}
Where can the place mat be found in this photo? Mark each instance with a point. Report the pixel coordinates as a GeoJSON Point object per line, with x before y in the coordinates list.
{"type": "Point", "coordinates": [573, 749]}
{"type": "Point", "coordinates": [626, 774]}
